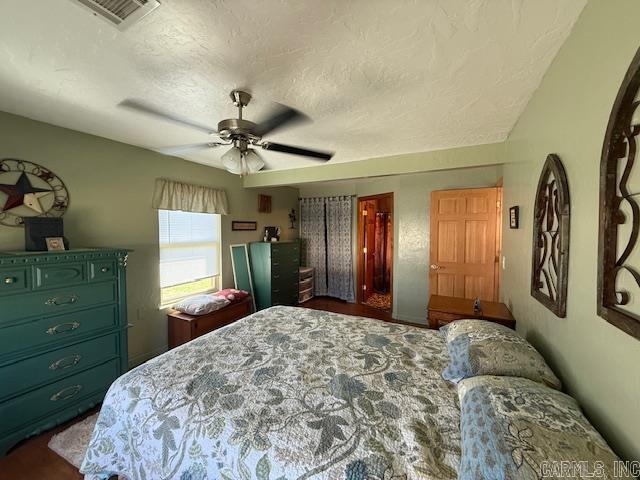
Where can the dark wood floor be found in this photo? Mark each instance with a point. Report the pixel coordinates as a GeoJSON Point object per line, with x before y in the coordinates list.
{"type": "Point", "coordinates": [32, 459]}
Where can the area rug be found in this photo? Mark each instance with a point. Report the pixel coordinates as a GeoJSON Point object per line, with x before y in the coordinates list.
{"type": "Point", "coordinates": [71, 444]}
{"type": "Point", "coordinates": [380, 301]}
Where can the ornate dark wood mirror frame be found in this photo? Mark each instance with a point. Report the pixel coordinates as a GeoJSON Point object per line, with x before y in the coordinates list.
{"type": "Point", "coordinates": [550, 264]}
{"type": "Point", "coordinates": [615, 244]}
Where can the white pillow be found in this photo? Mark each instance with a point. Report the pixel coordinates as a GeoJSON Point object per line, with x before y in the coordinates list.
{"type": "Point", "coordinates": [201, 305]}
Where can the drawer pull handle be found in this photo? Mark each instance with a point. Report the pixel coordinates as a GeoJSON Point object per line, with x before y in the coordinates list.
{"type": "Point", "coordinates": [275, 264]}
{"type": "Point", "coordinates": [65, 362]}
{"type": "Point", "coordinates": [62, 328]}
{"type": "Point", "coordinates": [66, 393]}
{"type": "Point", "coordinates": [276, 276]}
{"type": "Point", "coordinates": [66, 300]}
{"type": "Point", "coordinates": [104, 269]}
{"type": "Point", "coordinates": [9, 280]}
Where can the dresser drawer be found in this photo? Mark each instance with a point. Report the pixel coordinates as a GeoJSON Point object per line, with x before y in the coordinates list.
{"type": "Point", "coordinates": [287, 263]}
{"type": "Point", "coordinates": [286, 294]}
{"type": "Point", "coordinates": [59, 275]}
{"type": "Point", "coordinates": [14, 280]}
{"type": "Point", "coordinates": [281, 275]}
{"type": "Point", "coordinates": [18, 411]}
{"type": "Point", "coordinates": [285, 286]}
{"type": "Point", "coordinates": [285, 250]}
{"type": "Point", "coordinates": [306, 284]}
{"type": "Point", "coordinates": [102, 270]}
{"type": "Point", "coordinates": [51, 366]}
{"type": "Point", "coordinates": [55, 302]}
{"type": "Point", "coordinates": [53, 330]}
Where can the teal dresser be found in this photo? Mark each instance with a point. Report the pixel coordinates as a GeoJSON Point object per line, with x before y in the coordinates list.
{"type": "Point", "coordinates": [63, 336]}
{"type": "Point", "coordinates": [274, 270]}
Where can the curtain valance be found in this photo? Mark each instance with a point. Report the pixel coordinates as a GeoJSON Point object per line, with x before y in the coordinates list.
{"type": "Point", "coordinates": [172, 195]}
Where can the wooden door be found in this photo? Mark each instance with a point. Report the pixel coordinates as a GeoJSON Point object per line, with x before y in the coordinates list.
{"type": "Point", "coordinates": [367, 208]}
{"type": "Point", "coordinates": [368, 252]}
{"type": "Point", "coordinates": [464, 243]}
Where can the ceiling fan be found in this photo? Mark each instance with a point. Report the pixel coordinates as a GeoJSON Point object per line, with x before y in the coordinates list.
{"type": "Point", "coordinates": [240, 133]}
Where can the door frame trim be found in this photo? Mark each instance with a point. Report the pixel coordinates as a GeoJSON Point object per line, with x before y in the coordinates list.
{"type": "Point", "coordinates": [360, 242]}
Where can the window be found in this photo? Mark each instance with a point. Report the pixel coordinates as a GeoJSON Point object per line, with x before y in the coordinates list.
{"type": "Point", "coordinates": [189, 254]}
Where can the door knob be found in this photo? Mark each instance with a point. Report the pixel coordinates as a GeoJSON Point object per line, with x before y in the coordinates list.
{"type": "Point", "coordinates": [433, 266]}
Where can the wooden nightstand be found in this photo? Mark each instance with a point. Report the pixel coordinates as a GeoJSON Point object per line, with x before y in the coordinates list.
{"type": "Point", "coordinates": [442, 310]}
{"type": "Point", "coordinates": [184, 327]}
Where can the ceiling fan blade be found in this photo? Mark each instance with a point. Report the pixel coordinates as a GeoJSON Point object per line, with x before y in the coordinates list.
{"type": "Point", "coordinates": [280, 117]}
{"type": "Point", "coordinates": [143, 107]}
{"type": "Point", "coordinates": [278, 147]}
{"type": "Point", "coordinates": [186, 148]}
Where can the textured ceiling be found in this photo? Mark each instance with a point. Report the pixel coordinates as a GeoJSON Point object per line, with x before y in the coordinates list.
{"type": "Point", "coordinates": [377, 77]}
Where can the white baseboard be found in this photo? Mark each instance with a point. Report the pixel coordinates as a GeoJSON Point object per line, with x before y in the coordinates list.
{"type": "Point", "coordinates": [143, 357]}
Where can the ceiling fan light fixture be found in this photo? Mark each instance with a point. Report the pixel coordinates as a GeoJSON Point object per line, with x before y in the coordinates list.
{"type": "Point", "coordinates": [253, 161]}
{"type": "Point", "coordinates": [232, 160]}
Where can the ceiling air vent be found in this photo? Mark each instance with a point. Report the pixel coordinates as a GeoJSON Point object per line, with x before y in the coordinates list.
{"type": "Point", "coordinates": [121, 13]}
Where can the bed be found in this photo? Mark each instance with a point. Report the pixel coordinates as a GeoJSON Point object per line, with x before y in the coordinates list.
{"type": "Point", "coordinates": [286, 393]}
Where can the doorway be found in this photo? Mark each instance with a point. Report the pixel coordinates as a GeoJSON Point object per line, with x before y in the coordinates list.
{"type": "Point", "coordinates": [375, 251]}
{"type": "Point", "coordinates": [465, 243]}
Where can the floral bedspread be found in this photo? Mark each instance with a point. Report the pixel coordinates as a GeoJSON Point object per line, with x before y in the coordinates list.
{"type": "Point", "coordinates": [286, 393]}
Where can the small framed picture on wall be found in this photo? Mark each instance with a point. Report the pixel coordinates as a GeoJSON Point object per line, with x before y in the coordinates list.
{"type": "Point", "coordinates": [514, 217]}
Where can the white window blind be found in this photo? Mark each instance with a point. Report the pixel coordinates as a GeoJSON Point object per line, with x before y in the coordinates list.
{"type": "Point", "coordinates": [189, 253]}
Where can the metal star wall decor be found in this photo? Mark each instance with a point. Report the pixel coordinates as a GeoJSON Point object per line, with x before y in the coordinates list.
{"type": "Point", "coordinates": [37, 191]}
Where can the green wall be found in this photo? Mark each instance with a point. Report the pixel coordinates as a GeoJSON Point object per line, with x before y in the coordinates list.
{"type": "Point", "coordinates": [568, 115]}
{"type": "Point", "coordinates": [412, 203]}
{"type": "Point", "coordinates": [111, 187]}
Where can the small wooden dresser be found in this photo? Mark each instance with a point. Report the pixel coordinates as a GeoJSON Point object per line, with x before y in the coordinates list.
{"type": "Point", "coordinates": [184, 327]}
{"type": "Point", "coordinates": [442, 310]}
{"type": "Point", "coordinates": [63, 336]}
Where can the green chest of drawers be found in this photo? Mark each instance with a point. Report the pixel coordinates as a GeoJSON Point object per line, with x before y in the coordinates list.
{"type": "Point", "coordinates": [63, 336]}
{"type": "Point", "coordinates": [274, 268]}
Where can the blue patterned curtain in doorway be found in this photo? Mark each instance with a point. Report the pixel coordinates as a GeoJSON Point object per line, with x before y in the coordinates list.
{"type": "Point", "coordinates": [326, 226]}
{"type": "Point", "coordinates": [314, 240]}
{"type": "Point", "coordinates": [340, 248]}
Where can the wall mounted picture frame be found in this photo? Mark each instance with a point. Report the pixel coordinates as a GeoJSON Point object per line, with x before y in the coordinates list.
{"type": "Point", "coordinates": [264, 203]}
{"type": "Point", "coordinates": [514, 217]}
{"type": "Point", "coordinates": [243, 226]}
{"type": "Point", "coordinates": [551, 229]}
{"type": "Point", "coordinates": [619, 235]}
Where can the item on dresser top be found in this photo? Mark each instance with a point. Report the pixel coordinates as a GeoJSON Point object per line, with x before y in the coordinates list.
{"type": "Point", "coordinates": [274, 269]}
{"type": "Point", "coordinates": [443, 309]}
{"type": "Point", "coordinates": [38, 229]}
{"type": "Point", "coordinates": [514, 428]}
{"type": "Point", "coordinates": [478, 347]}
{"type": "Point", "coordinates": [272, 234]}
{"type": "Point", "coordinates": [184, 327]}
{"type": "Point", "coordinates": [201, 304]}
{"type": "Point", "coordinates": [233, 294]}
{"type": "Point", "coordinates": [63, 336]}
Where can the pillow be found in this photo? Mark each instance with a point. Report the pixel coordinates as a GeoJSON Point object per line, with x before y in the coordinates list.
{"type": "Point", "coordinates": [515, 428]}
{"type": "Point", "coordinates": [233, 295]}
{"type": "Point", "coordinates": [201, 305]}
{"type": "Point", "coordinates": [479, 347]}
